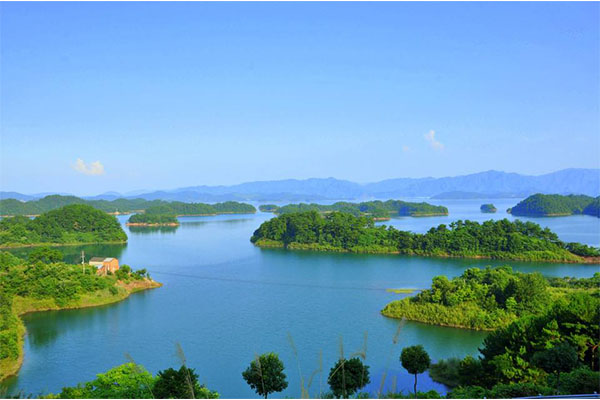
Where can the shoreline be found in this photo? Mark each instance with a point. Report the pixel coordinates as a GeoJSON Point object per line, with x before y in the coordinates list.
{"type": "Point", "coordinates": [19, 245]}
{"type": "Point", "coordinates": [151, 224]}
{"type": "Point", "coordinates": [299, 247]}
{"type": "Point", "coordinates": [10, 368]}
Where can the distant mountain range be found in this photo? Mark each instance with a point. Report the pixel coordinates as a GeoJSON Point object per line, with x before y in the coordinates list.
{"type": "Point", "coordinates": [488, 184]}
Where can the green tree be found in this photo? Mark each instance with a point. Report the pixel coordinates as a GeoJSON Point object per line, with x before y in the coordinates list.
{"type": "Point", "coordinates": [415, 360]}
{"type": "Point", "coordinates": [127, 381]}
{"type": "Point", "coordinates": [348, 376]}
{"type": "Point", "coordinates": [180, 384]}
{"type": "Point", "coordinates": [45, 255]}
{"type": "Point", "coordinates": [265, 374]}
{"type": "Point", "coordinates": [560, 358]}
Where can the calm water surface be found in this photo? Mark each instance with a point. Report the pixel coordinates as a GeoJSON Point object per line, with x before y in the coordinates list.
{"type": "Point", "coordinates": [224, 301]}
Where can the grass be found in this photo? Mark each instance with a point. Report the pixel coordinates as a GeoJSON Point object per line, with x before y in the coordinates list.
{"type": "Point", "coordinates": [401, 290]}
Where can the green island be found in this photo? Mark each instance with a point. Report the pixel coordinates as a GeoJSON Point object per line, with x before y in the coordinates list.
{"type": "Point", "coordinates": [154, 216]}
{"type": "Point", "coordinates": [10, 207]}
{"type": "Point", "coordinates": [550, 349]}
{"type": "Point", "coordinates": [379, 210]}
{"type": "Point", "coordinates": [488, 208]}
{"type": "Point", "coordinates": [43, 282]}
{"type": "Point", "coordinates": [72, 224]}
{"type": "Point", "coordinates": [268, 208]}
{"type": "Point", "coordinates": [555, 205]}
{"type": "Point", "coordinates": [487, 299]}
{"type": "Point", "coordinates": [344, 232]}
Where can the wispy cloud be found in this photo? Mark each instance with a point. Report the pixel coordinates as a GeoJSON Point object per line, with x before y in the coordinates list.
{"type": "Point", "coordinates": [94, 168]}
{"type": "Point", "coordinates": [405, 148]}
{"type": "Point", "coordinates": [433, 142]}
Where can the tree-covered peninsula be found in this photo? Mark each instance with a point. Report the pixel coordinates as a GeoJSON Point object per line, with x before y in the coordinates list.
{"type": "Point", "coordinates": [48, 203]}
{"type": "Point", "coordinates": [487, 299]}
{"type": "Point", "coordinates": [44, 282]}
{"type": "Point", "coordinates": [72, 224]}
{"type": "Point", "coordinates": [554, 205]}
{"type": "Point", "coordinates": [344, 232]}
{"type": "Point", "coordinates": [488, 208]}
{"type": "Point", "coordinates": [377, 209]}
{"type": "Point", "coordinates": [554, 351]}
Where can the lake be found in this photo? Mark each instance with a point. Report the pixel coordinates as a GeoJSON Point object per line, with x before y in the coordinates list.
{"type": "Point", "coordinates": [225, 300]}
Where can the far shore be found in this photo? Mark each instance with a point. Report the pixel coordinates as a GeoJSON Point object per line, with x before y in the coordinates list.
{"type": "Point", "coordinates": [152, 224]}
{"type": "Point", "coordinates": [20, 245]}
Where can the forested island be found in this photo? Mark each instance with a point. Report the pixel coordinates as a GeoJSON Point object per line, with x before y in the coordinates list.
{"type": "Point", "coordinates": [344, 232]}
{"type": "Point", "coordinates": [488, 208]}
{"type": "Point", "coordinates": [154, 216]}
{"type": "Point", "coordinates": [43, 282]}
{"type": "Point", "coordinates": [554, 205]}
{"type": "Point", "coordinates": [487, 299]}
{"type": "Point", "coordinates": [379, 210]}
{"type": "Point", "coordinates": [9, 207]}
{"type": "Point", "coordinates": [72, 224]}
{"type": "Point", "coordinates": [268, 208]}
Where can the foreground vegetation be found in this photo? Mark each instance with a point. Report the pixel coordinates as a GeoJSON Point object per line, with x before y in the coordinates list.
{"type": "Point", "coordinates": [375, 209]}
{"type": "Point", "coordinates": [73, 224]}
{"type": "Point", "coordinates": [555, 351]}
{"type": "Point", "coordinates": [344, 232]}
{"type": "Point", "coordinates": [44, 282]}
{"type": "Point", "coordinates": [133, 381]}
{"type": "Point", "coordinates": [487, 299]}
{"type": "Point", "coordinates": [551, 205]}
{"type": "Point", "coordinates": [48, 203]}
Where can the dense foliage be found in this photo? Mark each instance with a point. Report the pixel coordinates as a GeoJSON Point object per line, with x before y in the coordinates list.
{"type": "Point", "coordinates": [485, 299]}
{"type": "Point", "coordinates": [36, 207]}
{"type": "Point", "coordinates": [132, 381]}
{"type": "Point", "coordinates": [543, 205]}
{"type": "Point", "coordinates": [375, 209]}
{"type": "Point", "coordinates": [555, 351]}
{"type": "Point", "coordinates": [488, 208]}
{"type": "Point", "coordinates": [593, 208]}
{"type": "Point", "coordinates": [268, 207]}
{"type": "Point", "coordinates": [180, 384]}
{"type": "Point", "coordinates": [77, 223]}
{"type": "Point", "coordinates": [150, 217]}
{"type": "Point", "coordinates": [339, 231]}
{"type": "Point", "coordinates": [346, 377]}
{"type": "Point", "coordinates": [265, 375]}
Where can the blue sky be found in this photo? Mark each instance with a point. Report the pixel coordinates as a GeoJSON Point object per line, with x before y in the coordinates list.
{"type": "Point", "coordinates": [126, 96]}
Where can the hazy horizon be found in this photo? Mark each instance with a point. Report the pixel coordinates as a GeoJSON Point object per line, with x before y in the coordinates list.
{"type": "Point", "coordinates": [133, 191]}
{"type": "Point", "coordinates": [99, 97]}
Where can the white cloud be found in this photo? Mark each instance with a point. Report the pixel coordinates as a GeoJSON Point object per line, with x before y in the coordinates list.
{"type": "Point", "coordinates": [433, 142]}
{"type": "Point", "coordinates": [94, 168]}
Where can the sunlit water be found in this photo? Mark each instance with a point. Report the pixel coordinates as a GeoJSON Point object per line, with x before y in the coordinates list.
{"type": "Point", "coordinates": [225, 300]}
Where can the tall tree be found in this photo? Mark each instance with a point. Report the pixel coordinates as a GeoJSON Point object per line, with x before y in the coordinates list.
{"type": "Point", "coordinates": [265, 374]}
{"type": "Point", "coordinates": [560, 358]}
{"type": "Point", "coordinates": [348, 376]}
{"type": "Point", "coordinates": [416, 361]}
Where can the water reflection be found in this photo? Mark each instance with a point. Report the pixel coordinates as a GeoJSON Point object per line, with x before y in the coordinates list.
{"type": "Point", "coordinates": [235, 221]}
{"type": "Point", "coordinates": [149, 230]}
